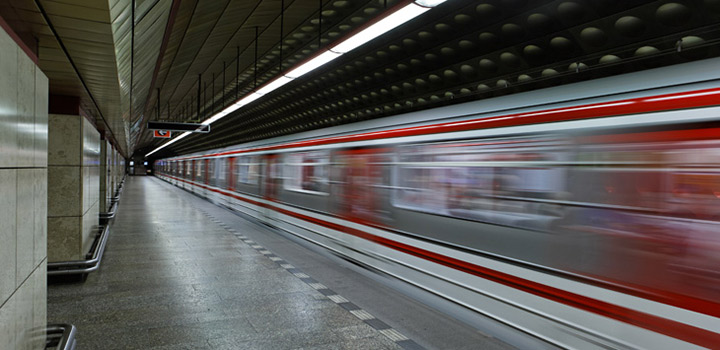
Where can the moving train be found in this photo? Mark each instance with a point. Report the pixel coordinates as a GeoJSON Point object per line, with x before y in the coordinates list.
{"type": "Point", "coordinates": [585, 215]}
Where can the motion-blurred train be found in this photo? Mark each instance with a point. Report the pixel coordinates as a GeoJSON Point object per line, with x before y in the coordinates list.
{"type": "Point", "coordinates": [586, 214]}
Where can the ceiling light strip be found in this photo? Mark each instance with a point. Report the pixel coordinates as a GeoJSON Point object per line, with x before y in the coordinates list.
{"type": "Point", "coordinates": [169, 143]}
{"type": "Point", "coordinates": [370, 31]}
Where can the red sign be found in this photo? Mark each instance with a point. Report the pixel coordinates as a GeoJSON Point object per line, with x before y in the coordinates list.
{"type": "Point", "coordinates": [164, 134]}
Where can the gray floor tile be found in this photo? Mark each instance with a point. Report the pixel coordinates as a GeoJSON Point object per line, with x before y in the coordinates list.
{"type": "Point", "coordinates": [172, 278]}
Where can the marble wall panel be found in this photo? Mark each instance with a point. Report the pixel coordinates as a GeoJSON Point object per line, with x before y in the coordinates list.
{"type": "Point", "coordinates": [8, 235]}
{"type": "Point", "coordinates": [25, 110]}
{"type": "Point", "coordinates": [111, 170]}
{"type": "Point", "coordinates": [122, 169]}
{"type": "Point", "coordinates": [95, 184]}
{"type": "Point", "coordinates": [8, 101]}
{"type": "Point", "coordinates": [90, 223]}
{"type": "Point", "coordinates": [63, 236]}
{"type": "Point", "coordinates": [86, 184]}
{"type": "Point", "coordinates": [25, 224]}
{"type": "Point", "coordinates": [23, 199]}
{"type": "Point", "coordinates": [40, 197]}
{"type": "Point", "coordinates": [90, 144]}
{"type": "Point", "coordinates": [65, 139]}
{"type": "Point", "coordinates": [103, 165]}
{"type": "Point", "coordinates": [23, 318]}
{"type": "Point", "coordinates": [104, 204]}
{"type": "Point", "coordinates": [41, 119]}
{"type": "Point", "coordinates": [24, 314]}
{"type": "Point", "coordinates": [91, 187]}
{"type": "Point", "coordinates": [7, 325]}
{"type": "Point", "coordinates": [39, 307]}
{"type": "Point", "coordinates": [117, 177]}
{"type": "Point", "coordinates": [64, 191]}
{"type": "Point", "coordinates": [105, 155]}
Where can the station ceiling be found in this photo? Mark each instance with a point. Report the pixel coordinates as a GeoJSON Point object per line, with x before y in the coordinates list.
{"type": "Point", "coordinates": [133, 61]}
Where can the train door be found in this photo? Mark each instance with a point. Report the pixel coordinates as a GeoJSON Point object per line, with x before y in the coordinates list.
{"type": "Point", "coordinates": [271, 182]}
{"type": "Point", "coordinates": [230, 174]}
{"type": "Point", "coordinates": [361, 191]}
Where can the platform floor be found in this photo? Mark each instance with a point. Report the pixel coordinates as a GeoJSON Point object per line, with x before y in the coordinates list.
{"type": "Point", "coordinates": [182, 273]}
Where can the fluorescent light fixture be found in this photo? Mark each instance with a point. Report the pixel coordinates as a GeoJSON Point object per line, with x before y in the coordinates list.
{"type": "Point", "coordinates": [373, 31]}
{"type": "Point", "coordinates": [310, 65]}
{"type": "Point", "coordinates": [429, 3]}
{"type": "Point", "coordinates": [168, 143]}
{"type": "Point", "coordinates": [269, 87]}
{"type": "Point", "coordinates": [383, 26]}
{"type": "Point", "coordinates": [214, 118]}
{"type": "Point", "coordinates": [249, 98]}
{"type": "Point", "coordinates": [221, 114]}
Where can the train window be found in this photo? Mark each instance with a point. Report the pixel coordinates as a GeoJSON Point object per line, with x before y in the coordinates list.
{"type": "Point", "coordinates": [199, 170]}
{"type": "Point", "coordinates": [221, 173]}
{"type": "Point", "coordinates": [307, 172]}
{"type": "Point", "coordinates": [514, 182]}
{"type": "Point", "coordinates": [211, 163]}
{"type": "Point", "coordinates": [666, 178]}
{"type": "Point", "coordinates": [248, 170]}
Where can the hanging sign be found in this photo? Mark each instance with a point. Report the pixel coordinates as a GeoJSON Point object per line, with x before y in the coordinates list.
{"type": "Point", "coordinates": [162, 134]}
{"type": "Point", "coordinates": [189, 127]}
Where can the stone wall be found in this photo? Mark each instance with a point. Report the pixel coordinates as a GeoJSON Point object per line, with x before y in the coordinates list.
{"type": "Point", "coordinates": [23, 198]}
{"type": "Point", "coordinates": [73, 186]}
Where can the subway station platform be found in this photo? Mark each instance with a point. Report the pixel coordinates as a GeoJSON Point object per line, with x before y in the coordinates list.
{"type": "Point", "coordinates": [182, 273]}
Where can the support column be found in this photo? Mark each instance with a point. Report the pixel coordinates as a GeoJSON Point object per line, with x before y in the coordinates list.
{"type": "Point", "coordinates": [106, 178]}
{"type": "Point", "coordinates": [73, 184]}
{"type": "Point", "coordinates": [120, 169]}
{"type": "Point", "coordinates": [23, 198]}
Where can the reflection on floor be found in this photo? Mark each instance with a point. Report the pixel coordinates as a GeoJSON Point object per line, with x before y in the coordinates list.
{"type": "Point", "coordinates": [174, 278]}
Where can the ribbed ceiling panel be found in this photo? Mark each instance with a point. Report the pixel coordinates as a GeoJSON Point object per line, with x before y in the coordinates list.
{"type": "Point", "coordinates": [96, 35]}
{"type": "Point", "coordinates": [149, 32]}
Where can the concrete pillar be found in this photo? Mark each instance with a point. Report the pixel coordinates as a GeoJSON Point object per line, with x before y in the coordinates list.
{"type": "Point", "coordinates": [118, 170]}
{"type": "Point", "coordinates": [122, 168]}
{"type": "Point", "coordinates": [23, 198]}
{"type": "Point", "coordinates": [106, 183]}
{"type": "Point", "coordinates": [73, 186]}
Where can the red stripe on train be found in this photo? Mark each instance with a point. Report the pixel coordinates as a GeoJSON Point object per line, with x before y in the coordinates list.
{"type": "Point", "coordinates": [668, 102]}
{"type": "Point", "coordinates": [657, 324]}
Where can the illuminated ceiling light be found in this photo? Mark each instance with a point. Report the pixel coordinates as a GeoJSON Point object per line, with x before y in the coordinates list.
{"type": "Point", "coordinates": [220, 114]}
{"type": "Point", "coordinates": [247, 100]}
{"type": "Point", "coordinates": [280, 81]}
{"type": "Point", "coordinates": [168, 143]}
{"type": "Point", "coordinates": [310, 65]}
{"type": "Point", "coordinates": [381, 27]}
{"type": "Point", "coordinates": [384, 25]}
